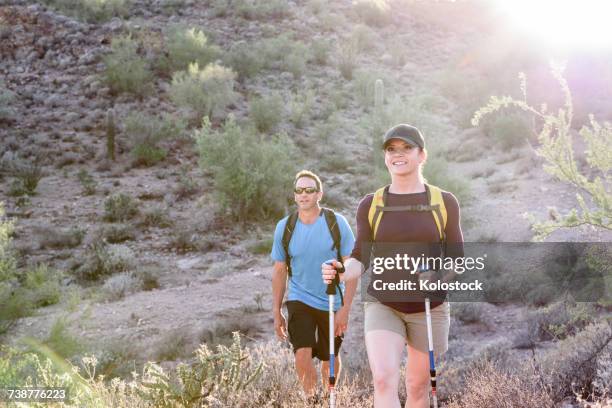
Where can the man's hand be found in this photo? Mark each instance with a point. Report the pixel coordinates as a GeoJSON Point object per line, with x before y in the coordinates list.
{"type": "Point", "coordinates": [329, 271]}
{"type": "Point", "coordinates": [341, 321]}
{"type": "Point", "coordinates": [280, 326]}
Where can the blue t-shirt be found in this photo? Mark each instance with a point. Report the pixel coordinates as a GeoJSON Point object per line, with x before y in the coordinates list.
{"type": "Point", "coordinates": [310, 246]}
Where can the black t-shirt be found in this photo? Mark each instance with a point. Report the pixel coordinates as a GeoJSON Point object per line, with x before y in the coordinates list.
{"type": "Point", "coordinates": [408, 227]}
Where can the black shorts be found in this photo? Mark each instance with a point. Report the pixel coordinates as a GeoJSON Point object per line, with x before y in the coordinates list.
{"type": "Point", "coordinates": [309, 327]}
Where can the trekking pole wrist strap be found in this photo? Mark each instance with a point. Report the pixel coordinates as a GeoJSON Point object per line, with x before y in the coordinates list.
{"type": "Point", "coordinates": [341, 268]}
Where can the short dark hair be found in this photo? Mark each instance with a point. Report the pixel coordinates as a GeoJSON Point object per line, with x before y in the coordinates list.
{"type": "Point", "coordinates": [309, 174]}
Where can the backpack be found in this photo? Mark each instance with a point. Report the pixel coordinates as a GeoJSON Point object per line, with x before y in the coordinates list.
{"type": "Point", "coordinates": [334, 230]}
{"type": "Point", "coordinates": [436, 207]}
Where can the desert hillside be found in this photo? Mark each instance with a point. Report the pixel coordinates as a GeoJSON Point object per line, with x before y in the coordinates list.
{"type": "Point", "coordinates": [147, 150]}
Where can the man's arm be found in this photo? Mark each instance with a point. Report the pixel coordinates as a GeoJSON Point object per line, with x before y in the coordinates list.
{"type": "Point", "coordinates": [279, 283]}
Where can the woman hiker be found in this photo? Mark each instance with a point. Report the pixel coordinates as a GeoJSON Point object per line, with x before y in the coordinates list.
{"type": "Point", "coordinates": [408, 216]}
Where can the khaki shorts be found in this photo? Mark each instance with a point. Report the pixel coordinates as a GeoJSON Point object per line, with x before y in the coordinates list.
{"type": "Point", "coordinates": [411, 326]}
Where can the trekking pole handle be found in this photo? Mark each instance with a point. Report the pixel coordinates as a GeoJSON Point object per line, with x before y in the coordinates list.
{"type": "Point", "coordinates": [331, 287]}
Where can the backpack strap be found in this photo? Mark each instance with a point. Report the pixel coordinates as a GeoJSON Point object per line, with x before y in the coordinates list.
{"type": "Point", "coordinates": [287, 234]}
{"type": "Point", "coordinates": [334, 230]}
{"type": "Point", "coordinates": [436, 202]}
{"type": "Point", "coordinates": [376, 209]}
{"type": "Point", "coordinates": [436, 207]}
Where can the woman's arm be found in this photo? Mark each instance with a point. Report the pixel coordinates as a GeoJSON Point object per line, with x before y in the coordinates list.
{"type": "Point", "coordinates": [354, 265]}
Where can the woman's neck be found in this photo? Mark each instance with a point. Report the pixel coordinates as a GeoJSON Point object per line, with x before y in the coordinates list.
{"type": "Point", "coordinates": [407, 185]}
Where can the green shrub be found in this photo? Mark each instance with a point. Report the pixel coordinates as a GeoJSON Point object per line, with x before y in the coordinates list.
{"type": "Point", "coordinates": [572, 363]}
{"type": "Point", "coordinates": [220, 8]}
{"type": "Point", "coordinates": [184, 239]}
{"type": "Point", "coordinates": [316, 6]}
{"type": "Point", "coordinates": [173, 346]}
{"type": "Point", "coordinates": [172, 7]}
{"type": "Point", "coordinates": [43, 285]}
{"type": "Point", "coordinates": [187, 186]}
{"type": "Point", "coordinates": [252, 189]}
{"type": "Point", "coordinates": [488, 384]}
{"type": "Point", "coordinates": [118, 286]}
{"type": "Point", "coordinates": [274, 50]}
{"type": "Point", "coordinates": [261, 246]}
{"type": "Point", "coordinates": [6, 99]}
{"type": "Point", "coordinates": [26, 175]}
{"type": "Point", "coordinates": [300, 107]}
{"type": "Point", "coordinates": [266, 112]}
{"type": "Point", "coordinates": [436, 172]}
{"type": "Point", "coordinates": [116, 359]}
{"type": "Point", "coordinates": [324, 130]}
{"type": "Point", "coordinates": [373, 12]}
{"type": "Point", "coordinates": [283, 52]}
{"type": "Point", "coordinates": [120, 207]}
{"type": "Point", "coordinates": [320, 51]}
{"type": "Point", "coordinates": [189, 45]}
{"type": "Point", "coordinates": [363, 39]}
{"type": "Point", "coordinates": [244, 59]}
{"type": "Point", "coordinates": [331, 22]}
{"type": "Point", "coordinates": [223, 331]}
{"type": "Point", "coordinates": [57, 239]}
{"type": "Point", "coordinates": [221, 373]}
{"type": "Point", "coordinates": [14, 304]}
{"type": "Point", "coordinates": [7, 259]}
{"type": "Point", "coordinates": [508, 131]}
{"type": "Point", "coordinates": [262, 9]}
{"type": "Point", "coordinates": [149, 276]}
{"type": "Point", "coordinates": [206, 91]}
{"type": "Point", "coordinates": [87, 182]}
{"type": "Point", "coordinates": [156, 217]}
{"type": "Point", "coordinates": [126, 70]}
{"type": "Point", "coordinates": [347, 59]}
{"type": "Point", "coordinates": [467, 89]}
{"type": "Point", "coordinates": [295, 62]}
{"type": "Point", "coordinates": [399, 54]}
{"type": "Point", "coordinates": [61, 341]}
{"type": "Point", "coordinates": [117, 233]}
{"type": "Point", "coordinates": [91, 11]}
{"type": "Point", "coordinates": [103, 260]}
{"type": "Point", "coordinates": [560, 320]}
{"type": "Point", "coordinates": [145, 132]}
{"type": "Point", "coordinates": [468, 312]}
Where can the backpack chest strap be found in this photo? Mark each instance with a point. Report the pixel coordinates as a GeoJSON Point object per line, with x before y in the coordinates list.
{"type": "Point", "coordinates": [413, 208]}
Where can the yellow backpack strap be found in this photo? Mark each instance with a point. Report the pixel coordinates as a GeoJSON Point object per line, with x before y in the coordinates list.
{"type": "Point", "coordinates": [375, 214]}
{"type": "Point", "coordinates": [436, 201]}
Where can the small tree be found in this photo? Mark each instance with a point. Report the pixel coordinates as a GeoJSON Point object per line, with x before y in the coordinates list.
{"type": "Point", "coordinates": [252, 172]}
{"type": "Point", "coordinates": [206, 91]}
{"type": "Point", "coordinates": [555, 137]}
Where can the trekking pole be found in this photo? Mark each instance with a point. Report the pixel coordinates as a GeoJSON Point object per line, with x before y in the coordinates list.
{"type": "Point", "coordinates": [331, 292]}
{"type": "Point", "coordinates": [432, 365]}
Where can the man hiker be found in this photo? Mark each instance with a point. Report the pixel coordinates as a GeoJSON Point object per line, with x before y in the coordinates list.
{"type": "Point", "coordinates": [302, 242]}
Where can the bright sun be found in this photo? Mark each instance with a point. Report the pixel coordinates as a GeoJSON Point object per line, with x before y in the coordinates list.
{"type": "Point", "coordinates": [563, 24]}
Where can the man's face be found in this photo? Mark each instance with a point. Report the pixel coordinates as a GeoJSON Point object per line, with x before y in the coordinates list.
{"type": "Point", "coordinates": [309, 195]}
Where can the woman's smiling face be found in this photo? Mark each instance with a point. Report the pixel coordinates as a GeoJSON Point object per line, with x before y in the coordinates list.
{"type": "Point", "coordinates": [402, 158]}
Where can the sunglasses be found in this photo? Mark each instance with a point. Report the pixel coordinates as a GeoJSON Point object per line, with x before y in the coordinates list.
{"type": "Point", "coordinates": [307, 190]}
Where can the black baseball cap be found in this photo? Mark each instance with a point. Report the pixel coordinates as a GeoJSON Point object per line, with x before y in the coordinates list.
{"type": "Point", "coordinates": [407, 133]}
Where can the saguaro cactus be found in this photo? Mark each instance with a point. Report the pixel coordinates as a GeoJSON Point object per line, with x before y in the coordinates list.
{"type": "Point", "coordinates": [111, 130]}
{"type": "Point", "coordinates": [379, 94]}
